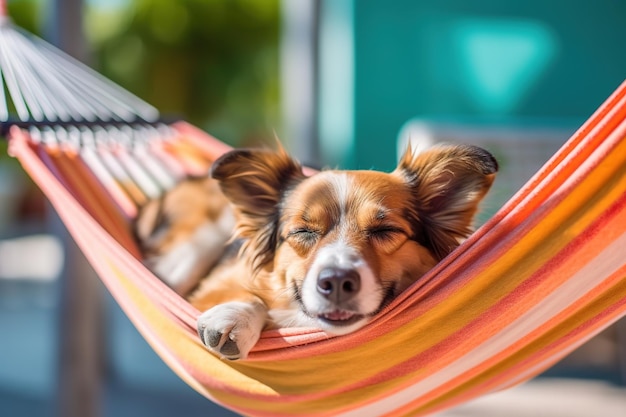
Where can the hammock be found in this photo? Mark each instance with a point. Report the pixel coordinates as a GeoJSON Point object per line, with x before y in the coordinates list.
{"type": "Point", "coordinates": [540, 278]}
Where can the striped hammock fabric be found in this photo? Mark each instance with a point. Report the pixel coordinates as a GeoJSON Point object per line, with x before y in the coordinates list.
{"type": "Point", "coordinates": [540, 278]}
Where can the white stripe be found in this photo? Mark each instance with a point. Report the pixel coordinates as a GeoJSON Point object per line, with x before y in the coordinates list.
{"type": "Point", "coordinates": [587, 278]}
{"type": "Point", "coordinates": [342, 186]}
{"type": "Point", "coordinates": [543, 364]}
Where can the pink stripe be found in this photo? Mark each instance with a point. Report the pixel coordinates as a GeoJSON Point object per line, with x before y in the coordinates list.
{"type": "Point", "coordinates": [543, 359]}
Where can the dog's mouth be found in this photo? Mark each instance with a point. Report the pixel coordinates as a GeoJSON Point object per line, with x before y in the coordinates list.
{"type": "Point", "coordinates": [342, 320]}
{"type": "Point", "coordinates": [339, 317]}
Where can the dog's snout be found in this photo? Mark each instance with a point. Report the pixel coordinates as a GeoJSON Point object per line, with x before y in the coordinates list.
{"type": "Point", "coordinates": [337, 284]}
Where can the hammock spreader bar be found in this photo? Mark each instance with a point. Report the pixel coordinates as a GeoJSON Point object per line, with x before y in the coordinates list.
{"type": "Point", "coordinates": [540, 278]}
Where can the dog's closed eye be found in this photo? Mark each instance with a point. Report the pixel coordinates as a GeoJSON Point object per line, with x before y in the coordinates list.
{"type": "Point", "coordinates": [387, 237]}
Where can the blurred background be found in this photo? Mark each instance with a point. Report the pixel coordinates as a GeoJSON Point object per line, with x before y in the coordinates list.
{"type": "Point", "coordinates": [343, 83]}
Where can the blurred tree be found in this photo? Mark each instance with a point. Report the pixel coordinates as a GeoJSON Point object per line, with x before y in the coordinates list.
{"type": "Point", "coordinates": [211, 62]}
{"type": "Point", "coordinates": [27, 14]}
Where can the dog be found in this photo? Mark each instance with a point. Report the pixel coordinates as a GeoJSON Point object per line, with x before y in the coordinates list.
{"type": "Point", "coordinates": [258, 244]}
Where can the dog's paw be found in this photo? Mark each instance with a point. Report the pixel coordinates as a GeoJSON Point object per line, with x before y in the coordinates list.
{"type": "Point", "coordinates": [232, 329]}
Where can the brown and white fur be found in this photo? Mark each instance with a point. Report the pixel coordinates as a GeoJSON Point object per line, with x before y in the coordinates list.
{"type": "Point", "coordinates": [273, 247]}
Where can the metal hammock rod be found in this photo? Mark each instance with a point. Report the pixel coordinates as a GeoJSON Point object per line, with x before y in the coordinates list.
{"type": "Point", "coordinates": [139, 124]}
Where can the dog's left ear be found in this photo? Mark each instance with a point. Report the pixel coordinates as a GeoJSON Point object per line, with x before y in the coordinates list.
{"type": "Point", "coordinates": [254, 180]}
{"type": "Point", "coordinates": [447, 184]}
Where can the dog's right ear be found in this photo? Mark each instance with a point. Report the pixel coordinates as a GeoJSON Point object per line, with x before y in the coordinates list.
{"type": "Point", "coordinates": [254, 180]}
{"type": "Point", "coordinates": [447, 183]}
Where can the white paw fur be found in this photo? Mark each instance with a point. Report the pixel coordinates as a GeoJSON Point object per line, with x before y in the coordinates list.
{"type": "Point", "coordinates": [232, 329]}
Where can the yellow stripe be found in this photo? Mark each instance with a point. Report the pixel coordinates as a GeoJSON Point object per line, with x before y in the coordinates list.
{"type": "Point", "coordinates": [185, 347]}
{"type": "Point", "coordinates": [611, 297]}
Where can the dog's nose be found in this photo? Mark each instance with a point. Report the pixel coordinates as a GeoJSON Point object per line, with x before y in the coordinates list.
{"type": "Point", "coordinates": [337, 284]}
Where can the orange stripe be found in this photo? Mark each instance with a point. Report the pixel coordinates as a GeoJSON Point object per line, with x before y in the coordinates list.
{"type": "Point", "coordinates": [194, 163]}
{"type": "Point", "coordinates": [201, 141]}
{"type": "Point", "coordinates": [570, 332]}
{"type": "Point", "coordinates": [582, 143]}
{"type": "Point", "coordinates": [114, 190]}
{"type": "Point", "coordinates": [534, 343]}
{"type": "Point", "coordinates": [88, 190]}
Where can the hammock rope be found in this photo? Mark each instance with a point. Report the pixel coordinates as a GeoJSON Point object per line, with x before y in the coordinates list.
{"type": "Point", "coordinates": [47, 85]}
{"type": "Point", "coordinates": [540, 278]}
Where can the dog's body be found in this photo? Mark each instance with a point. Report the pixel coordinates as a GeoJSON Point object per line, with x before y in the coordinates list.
{"type": "Point", "coordinates": [330, 250]}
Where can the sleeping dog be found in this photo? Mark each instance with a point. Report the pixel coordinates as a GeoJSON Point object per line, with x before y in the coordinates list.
{"type": "Point", "coordinates": [260, 245]}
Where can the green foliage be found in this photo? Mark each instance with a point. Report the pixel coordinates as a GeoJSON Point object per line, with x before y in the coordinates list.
{"type": "Point", "coordinates": [26, 14]}
{"type": "Point", "coordinates": [211, 62]}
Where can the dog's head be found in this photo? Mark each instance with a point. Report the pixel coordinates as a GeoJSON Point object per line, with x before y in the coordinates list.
{"type": "Point", "coordinates": [345, 243]}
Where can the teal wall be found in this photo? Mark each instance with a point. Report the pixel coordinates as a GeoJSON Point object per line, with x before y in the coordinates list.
{"type": "Point", "coordinates": [393, 60]}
